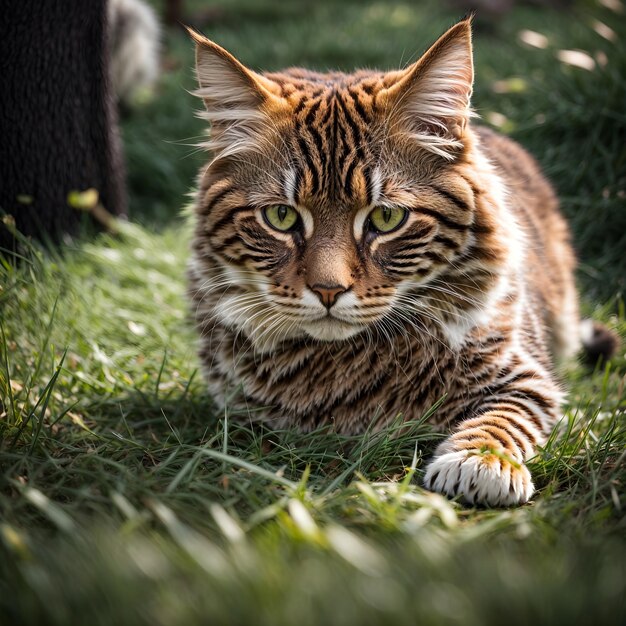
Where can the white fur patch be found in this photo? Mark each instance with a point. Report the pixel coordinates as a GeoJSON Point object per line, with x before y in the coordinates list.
{"type": "Point", "coordinates": [336, 326]}
{"type": "Point", "coordinates": [135, 35]}
{"type": "Point", "coordinates": [359, 222]}
{"type": "Point", "coordinates": [458, 330]}
{"type": "Point", "coordinates": [376, 185]}
{"type": "Point", "coordinates": [478, 480]}
{"type": "Point", "coordinates": [290, 186]}
{"type": "Point", "coordinates": [330, 329]}
{"type": "Point", "coordinates": [586, 331]}
{"type": "Point", "coordinates": [307, 220]}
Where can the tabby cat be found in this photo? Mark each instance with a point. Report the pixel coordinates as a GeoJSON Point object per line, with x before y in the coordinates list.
{"type": "Point", "coordinates": [362, 251]}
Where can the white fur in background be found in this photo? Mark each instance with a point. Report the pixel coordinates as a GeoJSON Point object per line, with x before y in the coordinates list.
{"type": "Point", "coordinates": [135, 33]}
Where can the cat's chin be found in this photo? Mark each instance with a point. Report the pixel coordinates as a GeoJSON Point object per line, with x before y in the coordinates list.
{"type": "Point", "coordinates": [331, 330]}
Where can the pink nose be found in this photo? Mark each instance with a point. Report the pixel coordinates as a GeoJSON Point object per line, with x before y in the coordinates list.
{"type": "Point", "coordinates": [328, 293]}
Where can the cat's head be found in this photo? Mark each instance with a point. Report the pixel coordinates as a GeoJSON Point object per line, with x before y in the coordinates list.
{"type": "Point", "coordinates": [331, 198]}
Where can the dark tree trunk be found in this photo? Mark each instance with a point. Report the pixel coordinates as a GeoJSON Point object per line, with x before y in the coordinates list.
{"type": "Point", "coordinates": [58, 123]}
{"type": "Point", "coordinates": [173, 12]}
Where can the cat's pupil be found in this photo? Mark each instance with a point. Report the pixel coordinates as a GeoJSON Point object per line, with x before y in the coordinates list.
{"type": "Point", "coordinates": [386, 214]}
{"type": "Point", "coordinates": [282, 213]}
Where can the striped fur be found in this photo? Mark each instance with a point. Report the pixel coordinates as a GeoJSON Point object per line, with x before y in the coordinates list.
{"type": "Point", "coordinates": [469, 301]}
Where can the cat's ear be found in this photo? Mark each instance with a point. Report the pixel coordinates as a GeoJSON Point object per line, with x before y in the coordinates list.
{"type": "Point", "coordinates": [237, 100]}
{"type": "Point", "coordinates": [431, 98]}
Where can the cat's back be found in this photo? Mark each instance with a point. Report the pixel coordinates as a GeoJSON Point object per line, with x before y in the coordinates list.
{"type": "Point", "coordinates": [549, 255]}
{"type": "Point", "coordinates": [529, 191]}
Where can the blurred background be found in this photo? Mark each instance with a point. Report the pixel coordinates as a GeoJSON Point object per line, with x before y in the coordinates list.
{"type": "Point", "coordinates": [552, 74]}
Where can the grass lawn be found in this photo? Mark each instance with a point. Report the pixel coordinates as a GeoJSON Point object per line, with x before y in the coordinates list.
{"type": "Point", "coordinates": [125, 498]}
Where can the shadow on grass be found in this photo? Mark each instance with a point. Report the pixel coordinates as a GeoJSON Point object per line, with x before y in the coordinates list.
{"type": "Point", "coordinates": [179, 450]}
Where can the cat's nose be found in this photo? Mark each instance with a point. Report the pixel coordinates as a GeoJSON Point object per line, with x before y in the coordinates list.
{"type": "Point", "coordinates": [328, 294]}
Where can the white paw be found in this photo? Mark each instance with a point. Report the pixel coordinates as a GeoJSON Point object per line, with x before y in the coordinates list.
{"type": "Point", "coordinates": [480, 478]}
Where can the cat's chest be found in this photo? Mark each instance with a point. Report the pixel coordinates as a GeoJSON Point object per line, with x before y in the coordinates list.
{"type": "Point", "coordinates": [348, 384]}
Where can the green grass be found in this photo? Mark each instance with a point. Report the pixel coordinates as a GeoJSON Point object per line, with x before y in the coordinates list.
{"type": "Point", "coordinates": [126, 498]}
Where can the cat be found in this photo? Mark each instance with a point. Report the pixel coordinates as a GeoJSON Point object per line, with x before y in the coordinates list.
{"type": "Point", "coordinates": [362, 251]}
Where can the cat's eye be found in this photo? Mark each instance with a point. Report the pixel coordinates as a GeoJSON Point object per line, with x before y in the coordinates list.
{"type": "Point", "coordinates": [384, 219]}
{"type": "Point", "coordinates": [280, 216]}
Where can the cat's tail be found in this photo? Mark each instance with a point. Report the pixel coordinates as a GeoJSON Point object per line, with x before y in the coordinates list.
{"type": "Point", "coordinates": [599, 342]}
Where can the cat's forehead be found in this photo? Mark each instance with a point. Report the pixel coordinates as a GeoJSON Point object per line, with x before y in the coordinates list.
{"type": "Point", "coordinates": [300, 82]}
{"type": "Point", "coordinates": [332, 146]}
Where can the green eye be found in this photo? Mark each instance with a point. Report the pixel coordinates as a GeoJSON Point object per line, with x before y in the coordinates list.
{"type": "Point", "coordinates": [385, 219]}
{"type": "Point", "coordinates": [280, 216]}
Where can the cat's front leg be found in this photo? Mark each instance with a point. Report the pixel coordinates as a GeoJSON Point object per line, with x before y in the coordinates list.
{"type": "Point", "coordinates": [483, 460]}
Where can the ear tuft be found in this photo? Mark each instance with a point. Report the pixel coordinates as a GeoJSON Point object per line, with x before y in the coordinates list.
{"type": "Point", "coordinates": [222, 79]}
{"type": "Point", "coordinates": [234, 97]}
{"type": "Point", "coordinates": [431, 99]}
